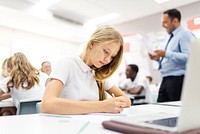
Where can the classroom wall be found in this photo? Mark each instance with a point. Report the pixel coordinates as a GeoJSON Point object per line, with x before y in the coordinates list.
{"type": "Point", "coordinates": [152, 24]}
{"type": "Point", "coordinates": [39, 39]}
{"type": "Point", "coordinates": [50, 39]}
{"type": "Point", "coordinates": [151, 27]}
{"type": "Point", "coordinates": [36, 47]}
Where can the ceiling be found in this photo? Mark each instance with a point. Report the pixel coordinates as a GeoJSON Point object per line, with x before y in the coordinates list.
{"type": "Point", "coordinates": [80, 11]}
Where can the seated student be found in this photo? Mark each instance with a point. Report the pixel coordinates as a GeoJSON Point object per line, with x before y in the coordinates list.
{"type": "Point", "coordinates": [24, 81]}
{"type": "Point", "coordinates": [77, 84]}
{"type": "Point", "coordinates": [133, 84]}
{"type": "Point", "coordinates": [6, 69]}
{"type": "Point", "coordinates": [46, 67]}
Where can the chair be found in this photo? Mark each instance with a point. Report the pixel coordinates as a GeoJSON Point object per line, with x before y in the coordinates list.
{"type": "Point", "coordinates": [27, 107]}
{"type": "Point", "coordinates": [139, 100]}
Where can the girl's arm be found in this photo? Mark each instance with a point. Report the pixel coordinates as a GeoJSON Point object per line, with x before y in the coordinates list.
{"type": "Point", "coordinates": [52, 104]}
{"type": "Point", "coordinates": [3, 95]}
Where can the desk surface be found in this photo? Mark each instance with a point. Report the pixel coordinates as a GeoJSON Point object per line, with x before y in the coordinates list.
{"type": "Point", "coordinates": [74, 124]}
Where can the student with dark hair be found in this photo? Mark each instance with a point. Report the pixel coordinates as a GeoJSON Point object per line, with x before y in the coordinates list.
{"type": "Point", "coordinates": [173, 58]}
{"type": "Point", "coordinates": [134, 84]}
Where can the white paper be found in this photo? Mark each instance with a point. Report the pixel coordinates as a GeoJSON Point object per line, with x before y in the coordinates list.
{"type": "Point", "coordinates": [146, 45]}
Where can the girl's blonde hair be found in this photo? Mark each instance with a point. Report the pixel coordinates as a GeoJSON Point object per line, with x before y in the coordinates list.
{"type": "Point", "coordinates": [102, 34]}
{"type": "Point", "coordinates": [6, 66]}
{"type": "Point", "coordinates": [23, 73]}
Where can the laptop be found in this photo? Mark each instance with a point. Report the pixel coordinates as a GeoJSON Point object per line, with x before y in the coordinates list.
{"type": "Point", "coordinates": [189, 117]}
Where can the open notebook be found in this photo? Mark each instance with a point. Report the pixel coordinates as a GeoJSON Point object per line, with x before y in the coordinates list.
{"type": "Point", "coordinates": [190, 110]}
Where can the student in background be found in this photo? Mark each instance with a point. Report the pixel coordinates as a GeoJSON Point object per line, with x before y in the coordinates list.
{"type": "Point", "coordinates": [6, 69]}
{"type": "Point", "coordinates": [77, 85]}
{"type": "Point", "coordinates": [3, 67]}
{"type": "Point", "coordinates": [133, 83]}
{"type": "Point", "coordinates": [46, 67]}
{"type": "Point", "coordinates": [24, 81]}
{"type": "Point", "coordinates": [174, 57]}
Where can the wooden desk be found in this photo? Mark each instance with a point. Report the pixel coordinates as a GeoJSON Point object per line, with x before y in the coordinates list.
{"type": "Point", "coordinates": [73, 124]}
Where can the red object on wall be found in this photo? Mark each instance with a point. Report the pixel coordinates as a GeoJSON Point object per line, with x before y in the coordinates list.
{"type": "Point", "coordinates": [127, 47]}
{"type": "Point", "coordinates": [194, 23]}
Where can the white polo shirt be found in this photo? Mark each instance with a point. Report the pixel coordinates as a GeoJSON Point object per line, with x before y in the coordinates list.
{"type": "Point", "coordinates": [77, 78]}
{"type": "Point", "coordinates": [128, 83]}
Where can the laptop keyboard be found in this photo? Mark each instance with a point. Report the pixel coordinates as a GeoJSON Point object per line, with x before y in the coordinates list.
{"type": "Point", "coordinates": [170, 122]}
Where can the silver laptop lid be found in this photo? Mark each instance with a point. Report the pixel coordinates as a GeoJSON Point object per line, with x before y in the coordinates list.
{"type": "Point", "coordinates": [190, 111]}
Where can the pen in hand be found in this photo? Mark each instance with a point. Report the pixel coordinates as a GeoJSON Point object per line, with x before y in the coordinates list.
{"type": "Point", "coordinates": [113, 95]}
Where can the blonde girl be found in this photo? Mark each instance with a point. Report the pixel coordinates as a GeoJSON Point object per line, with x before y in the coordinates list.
{"type": "Point", "coordinates": [78, 84]}
{"type": "Point", "coordinates": [24, 81]}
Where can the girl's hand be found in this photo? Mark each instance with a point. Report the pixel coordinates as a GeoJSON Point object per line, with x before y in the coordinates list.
{"type": "Point", "coordinates": [113, 105]}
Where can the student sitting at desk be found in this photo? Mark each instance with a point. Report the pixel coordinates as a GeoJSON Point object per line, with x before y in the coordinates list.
{"type": "Point", "coordinates": [24, 81]}
{"type": "Point", "coordinates": [77, 84]}
{"type": "Point", "coordinates": [6, 69]}
{"type": "Point", "coordinates": [133, 84]}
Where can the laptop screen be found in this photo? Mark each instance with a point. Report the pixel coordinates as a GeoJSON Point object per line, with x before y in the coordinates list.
{"type": "Point", "coordinates": [170, 122]}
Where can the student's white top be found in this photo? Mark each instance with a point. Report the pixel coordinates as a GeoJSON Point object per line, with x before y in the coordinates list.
{"type": "Point", "coordinates": [77, 78]}
{"type": "Point", "coordinates": [128, 83]}
{"type": "Point", "coordinates": [35, 92]}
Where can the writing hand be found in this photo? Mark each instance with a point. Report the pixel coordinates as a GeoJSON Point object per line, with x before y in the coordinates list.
{"type": "Point", "coordinates": [114, 105]}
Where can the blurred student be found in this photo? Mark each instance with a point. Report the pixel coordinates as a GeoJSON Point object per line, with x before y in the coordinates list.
{"type": "Point", "coordinates": [6, 69]}
{"type": "Point", "coordinates": [133, 83]}
{"type": "Point", "coordinates": [46, 67]}
{"type": "Point", "coordinates": [77, 85]}
{"type": "Point", "coordinates": [24, 81]}
{"type": "Point", "coordinates": [172, 60]}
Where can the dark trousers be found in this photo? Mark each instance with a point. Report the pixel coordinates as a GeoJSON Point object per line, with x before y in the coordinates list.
{"type": "Point", "coordinates": [170, 88]}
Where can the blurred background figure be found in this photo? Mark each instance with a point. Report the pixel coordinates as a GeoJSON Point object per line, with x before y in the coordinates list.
{"type": "Point", "coordinates": [136, 85]}
{"type": "Point", "coordinates": [46, 67]}
{"type": "Point", "coordinates": [24, 83]}
{"type": "Point", "coordinates": [6, 69]}
{"type": "Point", "coordinates": [133, 83]}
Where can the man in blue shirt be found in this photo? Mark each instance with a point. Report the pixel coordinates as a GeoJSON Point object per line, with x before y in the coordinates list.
{"type": "Point", "coordinates": [172, 60]}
